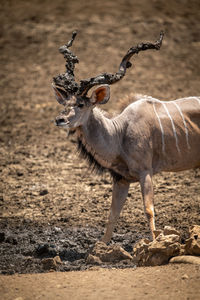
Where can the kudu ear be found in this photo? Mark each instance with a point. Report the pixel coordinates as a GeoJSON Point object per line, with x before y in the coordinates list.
{"type": "Point", "coordinates": [101, 95]}
{"type": "Point", "coordinates": [61, 95]}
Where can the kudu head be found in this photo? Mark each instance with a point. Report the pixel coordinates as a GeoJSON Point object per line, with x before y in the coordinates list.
{"type": "Point", "coordinates": [74, 96]}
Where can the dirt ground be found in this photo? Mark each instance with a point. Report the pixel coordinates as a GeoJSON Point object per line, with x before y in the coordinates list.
{"type": "Point", "coordinates": [50, 203]}
{"type": "Point", "coordinates": [165, 282]}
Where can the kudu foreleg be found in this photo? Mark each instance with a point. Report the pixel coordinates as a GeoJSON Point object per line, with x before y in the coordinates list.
{"type": "Point", "coordinates": [147, 194]}
{"type": "Point", "coordinates": [119, 194]}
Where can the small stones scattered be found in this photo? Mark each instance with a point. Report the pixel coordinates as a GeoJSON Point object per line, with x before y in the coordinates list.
{"type": "Point", "coordinates": [29, 250]}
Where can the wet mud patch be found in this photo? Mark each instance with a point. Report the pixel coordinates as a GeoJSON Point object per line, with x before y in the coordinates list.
{"type": "Point", "coordinates": [25, 249]}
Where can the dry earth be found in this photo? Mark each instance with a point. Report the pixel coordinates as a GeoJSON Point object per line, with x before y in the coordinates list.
{"type": "Point", "coordinates": [50, 203]}
{"type": "Point", "coordinates": [165, 282]}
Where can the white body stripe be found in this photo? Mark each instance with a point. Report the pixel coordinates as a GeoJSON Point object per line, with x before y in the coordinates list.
{"type": "Point", "coordinates": [185, 125]}
{"type": "Point", "coordinates": [196, 98]}
{"type": "Point", "coordinates": [161, 128]}
{"type": "Point", "coordinates": [172, 122]}
{"type": "Point", "coordinates": [173, 126]}
{"type": "Point", "coordinates": [188, 99]}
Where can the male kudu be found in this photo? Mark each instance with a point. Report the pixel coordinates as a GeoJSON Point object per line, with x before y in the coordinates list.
{"type": "Point", "coordinates": [148, 137]}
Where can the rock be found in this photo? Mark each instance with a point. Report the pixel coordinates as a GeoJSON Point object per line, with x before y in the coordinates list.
{"type": "Point", "coordinates": [182, 250]}
{"type": "Point", "coordinates": [185, 276]}
{"type": "Point", "coordinates": [57, 229]}
{"type": "Point", "coordinates": [93, 260]}
{"type": "Point", "coordinates": [167, 239]}
{"type": "Point", "coordinates": [42, 249]}
{"type": "Point", "coordinates": [116, 253]}
{"type": "Point", "coordinates": [104, 253]}
{"type": "Point", "coordinates": [157, 252]}
{"type": "Point", "coordinates": [19, 173]}
{"type": "Point", "coordinates": [157, 233]}
{"type": "Point", "coordinates": [192, 245]}
{"type": "Point", "coordinates": [170, 230]}
{"type": "Point", "coordinates": [167, 246]}
{"type": "Point", "coordinates": [43, 192]}
{"type": "Point", "coordinates": [51, 263]}
{"type": "Point", "coordinates": [57, 260]}
{"type": "Point", "coordinates": [46, 250]}
{"type": "Point", "coordinates": [185, 259]}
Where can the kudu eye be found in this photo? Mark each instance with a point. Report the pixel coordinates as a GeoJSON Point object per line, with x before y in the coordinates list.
{"type": "Point", "coordinates": [80, 105]}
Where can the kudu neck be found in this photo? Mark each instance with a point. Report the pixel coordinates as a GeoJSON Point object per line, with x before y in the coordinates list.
{"type": "Point", "coordinates": [99, 124]}
{"type": "Point", "coordinates": [100, 134]}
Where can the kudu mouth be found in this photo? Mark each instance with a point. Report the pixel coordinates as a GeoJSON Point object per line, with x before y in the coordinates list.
{"type": "Point", "coordinates": [61, 122]}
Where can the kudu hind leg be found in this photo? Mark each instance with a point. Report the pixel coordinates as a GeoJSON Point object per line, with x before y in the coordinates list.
{"type": "Point", "coordinates": [119, 194]}
{"type": "Point", "coordinates": [147, 194]}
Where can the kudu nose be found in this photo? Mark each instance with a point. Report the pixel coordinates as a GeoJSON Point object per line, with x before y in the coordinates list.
{"type": "Point", "coordinates": [59, 120]}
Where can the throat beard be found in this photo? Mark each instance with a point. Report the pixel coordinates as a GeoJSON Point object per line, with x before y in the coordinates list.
{"type": "Point", "coordinates": [96, 163]}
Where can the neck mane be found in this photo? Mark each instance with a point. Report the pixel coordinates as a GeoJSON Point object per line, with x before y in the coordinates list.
{"type": "Point", "coordinates": [96, 162]}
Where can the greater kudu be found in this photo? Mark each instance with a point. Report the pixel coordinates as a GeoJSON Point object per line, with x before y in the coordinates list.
{"type": "Point", "coordinates": [148, 137]}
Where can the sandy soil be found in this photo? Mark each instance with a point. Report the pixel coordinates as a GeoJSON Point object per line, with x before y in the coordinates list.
{"type": "Point", "coordinates": [166, 282]}
{"type": "Point", "coordinates": [48, 195]}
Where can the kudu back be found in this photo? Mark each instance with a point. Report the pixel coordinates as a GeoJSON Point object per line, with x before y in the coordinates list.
{"type": "Point", "coordinates": [148, 137]}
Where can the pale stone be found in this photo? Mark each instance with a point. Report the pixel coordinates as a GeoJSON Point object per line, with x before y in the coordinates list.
{"type": "Point", "coordinates": [111, 253]}
{"type": "Point", "coordinates": [168, 230]}
{"type": "Point", "coordinates": [157, 252]}
{"type": "Point", "coordinates": [185, 259]}
{"type": "Point", "coordinates": [192, 245]}
{"type": "Point", "coordinates": [51, 263]}
{"type": "Point", "coordinates": [93, 260]}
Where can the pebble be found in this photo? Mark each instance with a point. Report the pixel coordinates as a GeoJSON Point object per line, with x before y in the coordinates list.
{"type": "Point", "coordinates": [185, 276]}
{"type": "Point", "coordinates": [51, 263]}
{"type": "Point", "coordinates": [57, 229]}
{"type": "Point", "coordinates": [43, 192]}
